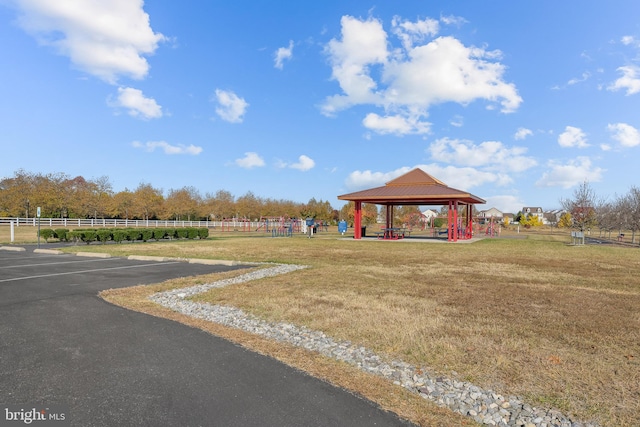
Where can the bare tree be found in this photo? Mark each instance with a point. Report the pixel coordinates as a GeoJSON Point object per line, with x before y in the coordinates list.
{"type": "Point", "coordinates": [582, 207]}
{"type": "Point", "coordinates": [633, 211]}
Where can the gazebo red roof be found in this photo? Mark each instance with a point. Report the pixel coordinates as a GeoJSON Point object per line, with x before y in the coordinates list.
{"type": "Point", "coordinates": [413, 188]}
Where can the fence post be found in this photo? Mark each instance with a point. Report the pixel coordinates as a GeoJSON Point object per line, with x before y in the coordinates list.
{"type": "Point", "coordinates": [12, 233]}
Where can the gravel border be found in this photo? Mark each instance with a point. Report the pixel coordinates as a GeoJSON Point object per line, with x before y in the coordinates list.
{"type": "Point", "coordinates": [484, 406]}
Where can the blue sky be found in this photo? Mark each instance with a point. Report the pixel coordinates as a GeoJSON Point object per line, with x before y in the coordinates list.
{"type": "Point", "coordinates": [515, 102]}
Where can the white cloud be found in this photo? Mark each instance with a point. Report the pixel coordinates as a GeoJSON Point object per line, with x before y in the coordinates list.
{"type": "Point", "coordinates": [231, 107]}
{"type": "Point", "coordinates": [573, 137]}
{"type": "Point", "coordinates": [358, 180]}
{"type": "Point", "coordinates": [522, 133]}
{"type": "Point", "coordinates": [407, 81]}
{"type": "Point", "coordinates": [505, 203]}
{"type": "Point", "coordinates": [630, 80]}
{"type": "Point", "coordinates": [457, 121]}
{"type": "Point", "coordinates": [363, 44]}
{"type": "Point", "coordinates": [585, 76]}
{"type": "Point", "coordinates": [250, 160]}
{"type": "Point", "coordinates": [465, 178]}
{"type": "Point", "coordinates": [625, 134]}
{"type": "Point", "coordinates": [138, 105]}
{"type": "Point", "coordinates": [492, 155]}
{"type": "Point", "coordinates": [630, 40]}
{"type": "Point", "coordinates": [410, 33]}
{"type": "Point", "coordinates": [459, 178]}
{"type": "Point", "coordinates": [304, 163]}
{"type": "Point", "coordinates": [106, 39]}
{"type": "Point", "coordinates": [168, 148]}
{"type": "Point", "coordinates": [570, 174]}
{"type": "Point", "coordinates": [453, 20]}
{"type": "Point", "coordinates": [283, 53]}
{"type": "Point", "coordinates": [398, 124]}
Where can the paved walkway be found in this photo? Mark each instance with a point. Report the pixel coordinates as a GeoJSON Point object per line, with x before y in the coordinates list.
{"type": "Point", "coordinates": [61, 344]}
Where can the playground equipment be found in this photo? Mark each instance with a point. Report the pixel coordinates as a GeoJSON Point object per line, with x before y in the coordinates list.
{"type": "Point", "coordinates": [493, 229]}
{"type": "Point", "coordinates": [279, 226]}
{"type": "Point", "coordinates": [236, 224]}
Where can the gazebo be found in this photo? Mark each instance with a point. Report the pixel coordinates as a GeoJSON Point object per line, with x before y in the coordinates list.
{"type": "Point", "coordinates": [418, 188]}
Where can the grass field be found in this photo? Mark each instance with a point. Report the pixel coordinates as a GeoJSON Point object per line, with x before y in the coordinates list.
{"type": "Point", "coordinates": [558, 325]}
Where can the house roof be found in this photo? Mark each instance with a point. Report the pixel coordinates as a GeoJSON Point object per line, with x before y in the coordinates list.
{"type": "Point", "coordinates": [413, 188]}
{"type": "Point", "coordinates": [491, 212]}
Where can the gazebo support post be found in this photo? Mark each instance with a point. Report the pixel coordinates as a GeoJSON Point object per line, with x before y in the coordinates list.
{"type": "Point", "coordinates": [469, 221]}
{"type": "Point", "coordinates": [450, 221]}
{"type": "Point", "coordinates": [357, 221]}
{"type": "Point", "coordinates": [456, 231]}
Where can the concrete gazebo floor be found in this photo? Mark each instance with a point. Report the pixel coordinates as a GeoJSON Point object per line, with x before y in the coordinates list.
{"type": "Point", "coordinates": [414, 239]}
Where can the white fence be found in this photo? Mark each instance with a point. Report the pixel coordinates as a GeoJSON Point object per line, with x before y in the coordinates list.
{"type": "Point", "coordinates": [225, 225]}
{"type": "Point", "coordinates": [111, 223]}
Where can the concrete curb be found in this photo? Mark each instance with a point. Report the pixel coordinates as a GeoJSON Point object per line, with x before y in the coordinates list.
{"type": "Point", "coordinates": [93, 254]}
{"type": "Point", "coordinates": [213, 262]}
{"type": "Point", "coordinates": [151, 258]}
{"type": "Point", "coordinates": [12, 248]}
{"type": "Point", "coordinates": [48, 251]}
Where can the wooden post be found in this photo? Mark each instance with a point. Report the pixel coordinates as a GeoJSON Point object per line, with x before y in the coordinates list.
{"type": "Point", "coordinates": [450, 225]}
{"type": "Point", "coordinates": [357, 221]}
{"type": "Point", "coordinates": [455, 221]}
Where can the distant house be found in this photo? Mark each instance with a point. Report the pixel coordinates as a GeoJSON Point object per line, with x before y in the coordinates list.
{"type": "Point", "coordinates": [429, 214]}
{"type": "Point", "coordinates": [493, 213]}
{"type": "Point", "coordinates": [534, 211]}
{"type": "Point", "coordinates": [553, 217]}
{"type": "Point", "coordinates": [508, 217]}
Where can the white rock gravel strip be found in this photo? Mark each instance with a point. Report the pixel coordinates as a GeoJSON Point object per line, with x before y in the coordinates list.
{"type": "Point", "coordinates": [484, 406]}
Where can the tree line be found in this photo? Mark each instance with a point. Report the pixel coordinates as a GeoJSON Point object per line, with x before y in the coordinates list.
{"type": "Point", "coordinates": [586, 210]}
{"type": "Point", "coordinates": [61, 196]}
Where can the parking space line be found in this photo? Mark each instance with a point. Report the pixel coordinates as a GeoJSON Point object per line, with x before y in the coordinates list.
{"type": "Point", "coordinates": [86, 271]}
{"type": "Point", "coordinates": [58, 263]}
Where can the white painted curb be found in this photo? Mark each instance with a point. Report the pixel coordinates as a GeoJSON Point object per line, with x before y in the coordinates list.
{"type": "Point", "coordinates": [212, 261]}
{"type": "Point", "coordinates": [12, 248]}
{"type": "Point", "coordinates": [48, 251]}
{"type": "Point", "coordinates": [93, 254]}
{"type": "Point", "coordinates": [149, 258]}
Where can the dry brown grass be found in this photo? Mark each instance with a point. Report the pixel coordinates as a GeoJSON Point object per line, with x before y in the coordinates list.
{"type": "Point", "coordinates": [22, 234]}
{"type": "Point", "coordinates": [556, 324]}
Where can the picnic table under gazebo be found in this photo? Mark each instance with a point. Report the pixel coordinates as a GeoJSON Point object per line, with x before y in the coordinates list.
{"type": "Point", "coordinates": [417, 188]}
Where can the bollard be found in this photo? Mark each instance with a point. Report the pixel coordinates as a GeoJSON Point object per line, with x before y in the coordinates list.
{"type": "Point", "coordinates": [12, 233]}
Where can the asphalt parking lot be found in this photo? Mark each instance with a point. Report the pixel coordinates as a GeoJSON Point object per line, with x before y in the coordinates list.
{"type": "Point", "coordinates": [60, 344]}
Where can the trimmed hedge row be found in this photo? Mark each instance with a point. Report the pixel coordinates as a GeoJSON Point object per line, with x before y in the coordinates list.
{"type": "Point", "coordinates": [119, 235]}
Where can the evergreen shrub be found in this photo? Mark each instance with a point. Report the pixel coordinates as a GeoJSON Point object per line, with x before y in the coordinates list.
{"type": "Point", "coordinates": [192, 233]}
{"type": "Point", "coordinates": [46, 234]}
{"type": "Point", "coordinates": [159, 233]}
{"type": "Point", "coordinates": [88, 236]}
{"type": "Point", "coordinates": [104, 235]}
{"type": "Point", "coordinates": [146, 234]}
{"type": "Point", "coordinates": [61, 234]}
{"type": "Point", "coordinates": [119, 235]}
